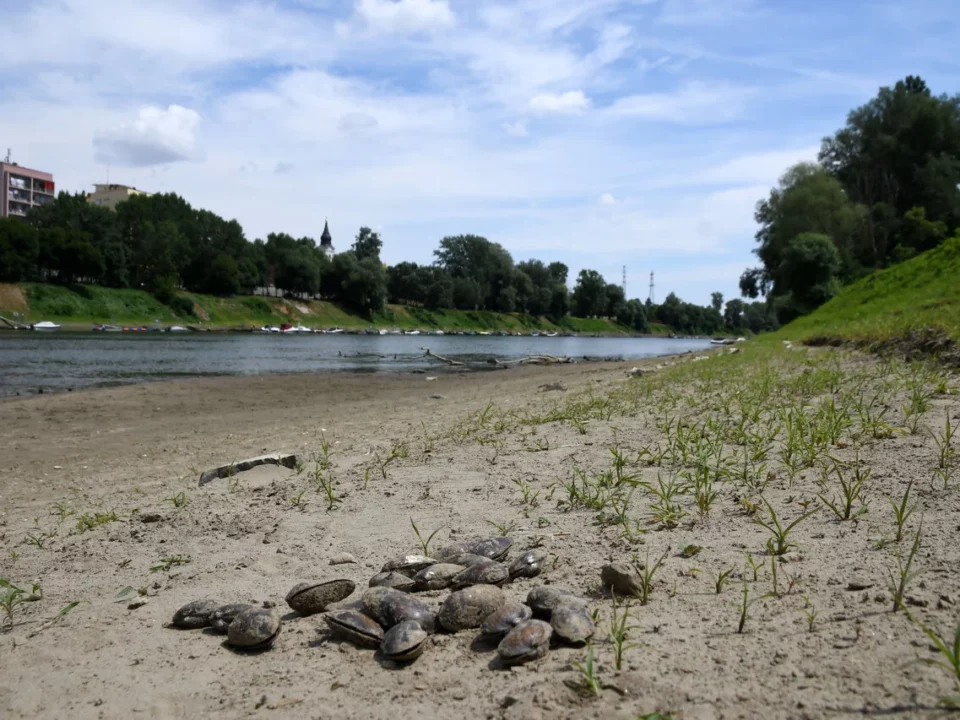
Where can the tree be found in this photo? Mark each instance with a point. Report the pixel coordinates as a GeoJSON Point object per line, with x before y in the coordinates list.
{"type": "Point", "coordinates": [19, 250]}
{"type": "Point", "coordinates": [224, 276]}
{"type": "Point", "coordinates": [590, 294]}
{"type": "Point", "coordinates": [639, 319]}
{"type": "Point", "coordinates": [476, 258]}
{"type": "Point", "coordinates": [917, 234]}
{"type": "Point", "coordinates": [902, 150]}
{"type": "Point", "coordinates": [716, 301]}
{"type": "Point", "coordinates": [367, 245]}
{"type": "Point", "coordinates": [614, 299]}
{"type": "Point", "coordinates": [733, 314]}
{"type": "Point", "coordinates": [809, 269]}
{"type": "Point", "coordinates": [559, 302]}
{"type": "Point", "coordinates": [363, 284]}
{"type": "Point", "coordinates": [437, 288]}
{"type": "Point", "coordinates": [406, 283]}
{"type": "Point", "coordinates": [466, 293]}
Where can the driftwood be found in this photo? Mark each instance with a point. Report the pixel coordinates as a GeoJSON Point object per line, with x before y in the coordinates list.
{"type": "Point", "coordinates": [428, 353]}
{"type": "Point", "coordinates": [13, 324]}
{"type": "Point", "coordinates": [536, 360]}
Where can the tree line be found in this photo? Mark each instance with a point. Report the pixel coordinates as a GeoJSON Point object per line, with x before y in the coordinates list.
{"type": "Point", "coordinates": [162, 244]}
{"type": "Point", "coordinates": [885, 188]}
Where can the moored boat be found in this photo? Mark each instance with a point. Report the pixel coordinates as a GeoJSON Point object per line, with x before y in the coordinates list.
{"type": "Point", "coordinates": [45, 326]}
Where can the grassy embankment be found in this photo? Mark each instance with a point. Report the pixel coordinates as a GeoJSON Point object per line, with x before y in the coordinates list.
{"type": "Point", "coordinates": [919, 294]}
{"type": "Point", "coordinates": [80, 307]}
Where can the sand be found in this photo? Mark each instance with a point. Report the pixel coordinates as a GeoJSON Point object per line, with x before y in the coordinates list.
{"type": "Point", "coordinates": [250, 538]}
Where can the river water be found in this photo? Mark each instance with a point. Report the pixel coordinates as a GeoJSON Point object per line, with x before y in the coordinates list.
{"type": "Point", "coordinates": [58, 361]}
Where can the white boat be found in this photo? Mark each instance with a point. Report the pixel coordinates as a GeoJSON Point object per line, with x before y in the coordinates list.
{"type": "Point", "coordinates": [550, 334]}
{"type": "Point", "coordinates": [381, 331]}
{"type": "Point", "coordinates": [176, 328]}
{"type": "Point", "coordinates": [413, 332]}
{"type": "Point", "coordinates": [298, 329]}
{"type": "Point", "coordinates": [483, 332]}
{"type": "Point", "coordinates": [437, 332]}
{"type": "Point", "coordinates": [45, 326]}
{"type": "Point", "coordinates": [334, 331]}
{"type": "Point", "coordinates": [270, 329]}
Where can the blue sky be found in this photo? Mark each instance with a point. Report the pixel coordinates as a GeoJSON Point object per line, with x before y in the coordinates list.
{"type": "Point", "coordinates": [601, 133]}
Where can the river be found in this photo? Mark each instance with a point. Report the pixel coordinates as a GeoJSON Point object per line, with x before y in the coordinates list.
{"type": "Point", "coordinates": [60, 361]}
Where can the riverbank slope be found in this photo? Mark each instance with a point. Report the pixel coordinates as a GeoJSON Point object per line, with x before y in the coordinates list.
{"type": "Point", "coordinates": [79, 307]}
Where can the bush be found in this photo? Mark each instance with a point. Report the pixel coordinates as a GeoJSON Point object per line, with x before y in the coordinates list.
{"type": "Point", "coordinates": [182, 306]}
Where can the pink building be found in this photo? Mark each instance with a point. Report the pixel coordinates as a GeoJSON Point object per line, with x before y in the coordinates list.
{"type": "Point", "coordinates": [22, 189]}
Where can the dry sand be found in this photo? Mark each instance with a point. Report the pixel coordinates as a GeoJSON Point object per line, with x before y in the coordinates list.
{"type": "Point", "coordinates": [130, 449]}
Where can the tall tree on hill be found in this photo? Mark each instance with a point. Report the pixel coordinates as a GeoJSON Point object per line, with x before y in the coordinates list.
{"type": "Point", "coordinates": [367, 245]}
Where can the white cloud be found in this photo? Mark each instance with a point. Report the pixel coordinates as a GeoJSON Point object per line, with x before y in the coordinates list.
{"type": "Point", "coordinates": [607, 200]}
{"type": "Point", "coordinates": [156, 137]}
{"type": "Point", "coordinates": [696, 103]}
{"type": "Point", "coordinates": [515, 129]}
{"type": "Point", "coordinates": [406, 16]}
{"type": "Point", "coordinates": [570, 102]}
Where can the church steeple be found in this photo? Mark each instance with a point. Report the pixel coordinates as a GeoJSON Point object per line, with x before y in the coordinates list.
{"type": "Point", "coordinates": [326, 239]}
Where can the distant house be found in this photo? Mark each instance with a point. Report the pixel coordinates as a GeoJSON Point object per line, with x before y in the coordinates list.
{"type": "Point", "coordinates": [109, 196]}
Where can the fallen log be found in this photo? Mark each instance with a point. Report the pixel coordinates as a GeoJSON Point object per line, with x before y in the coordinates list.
{"type": "Point", "coordinates": [286, 460]}
{"type": "Point", "coordinates": [428, 353]}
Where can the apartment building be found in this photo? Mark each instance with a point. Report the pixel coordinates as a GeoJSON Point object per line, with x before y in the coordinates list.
{"type": "Point", "coordinates": [111, 195]}
{"type": "Point", "coordinates": [22, 188]}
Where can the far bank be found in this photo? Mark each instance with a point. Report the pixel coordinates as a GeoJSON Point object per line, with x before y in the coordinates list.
{"type": "Point", "coordinates": [82, 307]}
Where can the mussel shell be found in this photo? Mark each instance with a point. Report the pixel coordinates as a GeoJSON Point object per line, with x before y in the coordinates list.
{"type": "Point", "coordinates": [355, 627]}
{"type": "Point", "coordinates": [310, 598]}
{"type": "Point", "coordinates": [404, 642]}
{"type": "Point", "coordinates": [528, 564]}
{"type": "Point", "coordinates": [571, 622]}
{"type": "Point", "coordinates": [467, 608]}
{"type": "Point", "coordinates": [393, 579]}
{"type": "Point", "coordinates": [408, 565]}
{"type": "Point", "coordinates": [544, 598]}
{"type": "Point", "coordinates": [487, 573]}
{"type": "Point", "coordinates": [254, 628]}
{"type": "Point", "coordinates": [502, 621]}
{"type": "Point", "coordinates": [527, 641]}
{"type": "Point", "coordinates": [466, 559]}
{"type": "Point", "coordinates": [492, 548]}
{"type": "Point", "coordinates": [195, 614]}
{"type": "Point", "coordinates": [389, 606]}
{"type": "Point", "coordinates": [221, 618]}
{"type": "Point", "coordinates": [437, 577]}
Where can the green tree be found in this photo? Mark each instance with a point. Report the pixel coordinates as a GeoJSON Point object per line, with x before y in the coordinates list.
{"type": "Point", "coordinates": [367, 245]}
{"type": "Point", "coordinates": [733, 314]}
{"type": "Point", "coordinates": [902, 150]}
{"type": "Point", "coordinates": [19, 250]}
{"type": "Point", "coordinates": [809, 269]}
{"type": "Point", "coordinates": [716, 301]}
{"type": "Point", "coordinates": [476, 258]}
{"type": "Point", "coordinates": [589, 294]}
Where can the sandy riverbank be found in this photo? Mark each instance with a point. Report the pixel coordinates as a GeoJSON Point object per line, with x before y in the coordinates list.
{"type": "Point", "coordinates": [131, 449]}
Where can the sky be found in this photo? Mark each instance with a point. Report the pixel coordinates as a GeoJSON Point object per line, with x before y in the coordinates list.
{"type": "Point", "coordinates": [600, 133]}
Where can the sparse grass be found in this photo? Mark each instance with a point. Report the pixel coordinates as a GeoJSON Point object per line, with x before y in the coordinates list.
{"type": "Point", "coordinates": [11, 596]}
{"type": "Point", "coordinates": [722, 578]}
{"type": "Point", "coordinates": [424, 544]}
{"type": "Point", "coordinates": [946, 453]}
{"type": "Point", "coordinates": [647, 573]}
{"type": "Point", "coordinates": [620, 629]}
{"type": "Point", "coordinates": [179, 500]}
{"type": "Point", "coordinates": [780, 543]}
{"type": "Point", "coordinates": [503, 529]}
{"type": "Point", "coordinates": [902, 510]}
{"type": "Point", "coordinates": [949, 652]}
{"type": "Point", "coordinates": [589, 684]}
{"type": "Point", "coordinates": [851, 491]}
{"type": "Point", "coordinates": [898, 581]}
{"type": "Point", "coordinates": [810, 613]}
{"type": "Point", "coordinates": [89, 521]}
{"type": "Point", "coordinates": [166, 563]}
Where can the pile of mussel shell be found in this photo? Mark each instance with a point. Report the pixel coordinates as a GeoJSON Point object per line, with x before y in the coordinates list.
{"type": "Point", "coordinates": [390, 617]}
